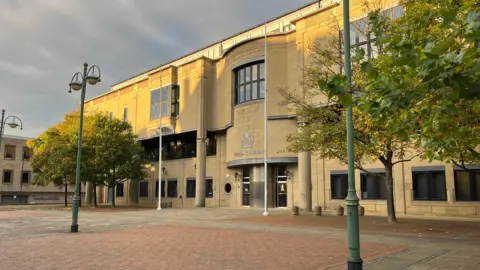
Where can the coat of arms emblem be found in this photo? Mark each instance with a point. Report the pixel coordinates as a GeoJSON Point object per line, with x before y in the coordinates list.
{"type": "Point", "coordinates": [247, 140]}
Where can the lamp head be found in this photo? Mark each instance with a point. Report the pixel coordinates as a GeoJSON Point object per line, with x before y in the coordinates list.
{"type": "Point", "coordinates": [13, 125]}
{"type": "Point", "coordinates": [93, 79]}
{"type": "Point", "coordinates": [75, 85]}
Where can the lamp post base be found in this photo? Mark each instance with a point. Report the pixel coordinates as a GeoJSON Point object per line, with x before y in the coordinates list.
{"type": "Point", "coordinates": [265, 213]}
{"type": "Point", "coordinates": [74, 228]}
{"type": "Point", "coordinates": [354, 264]}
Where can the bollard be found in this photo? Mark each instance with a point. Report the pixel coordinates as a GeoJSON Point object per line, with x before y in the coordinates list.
{"type": "Point", "coordinates": [317, 211]}
{"type": "Point", "coordinates": [170, 204]}
{"type": "Point", "coordinates": [295, 210]}
{"type": "Point", "coordinates": [361, 210]}
{"type": "Point", "coordinates": [340, 210]}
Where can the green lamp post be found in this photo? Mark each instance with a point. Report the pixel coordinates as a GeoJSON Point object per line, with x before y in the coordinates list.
{"type": "Point", "coordinates": [12, 124]}
{"type": "Point", "coordinates": [354, 260]}
{"type": "Point", "coordinates": [79, 82]}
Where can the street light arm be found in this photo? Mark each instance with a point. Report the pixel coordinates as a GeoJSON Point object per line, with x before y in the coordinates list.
{"type": "Point", "coordinates": [13, 121]}
{"type": "Point", "coordinates": [91, 71]}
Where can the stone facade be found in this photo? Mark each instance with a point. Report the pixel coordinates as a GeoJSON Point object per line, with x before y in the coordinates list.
{"type": "Point", "coordinates": [219, 109]}
{"type": "Point", "coordinates": [16, 177]}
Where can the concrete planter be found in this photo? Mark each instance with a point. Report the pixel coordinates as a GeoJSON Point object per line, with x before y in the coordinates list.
{"type": "Point", "coordinates": [361, 211]}
{"type": "Point", "coordinates": [340, 211]}
{"type": "Point", "coordinates": [295, 210]}
{"type": "Point", "coordinates": [317, 211]}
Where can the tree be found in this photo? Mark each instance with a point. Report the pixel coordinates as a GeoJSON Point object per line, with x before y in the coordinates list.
{"type": "Point", "coordinates": [53, 160]}
{"type": "Point", "coordinates": [429, 73]}
{"type": "Point", "coordinates": [117, 154]}
{"type": "Point", "coordinates": [321, 105]}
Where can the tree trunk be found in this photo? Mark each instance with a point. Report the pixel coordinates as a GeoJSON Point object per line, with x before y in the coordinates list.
{"type": "Point", "coordinates": [95, 195]}
{"type": "Point", "coordinates": [390, 198]}
{"type": "Point", "coordinates": [66, 192]}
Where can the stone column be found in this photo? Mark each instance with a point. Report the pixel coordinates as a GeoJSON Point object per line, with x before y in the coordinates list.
{"type": "Point", "coordinates": [304, 176]}
{"type": "Point", "coordinates": [201, 158]}
{"type": "Point", "coordinates": [89, 193]}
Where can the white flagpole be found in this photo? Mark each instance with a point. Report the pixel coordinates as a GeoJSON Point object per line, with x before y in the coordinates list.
{"type": "Point", "coordinates": [265, 132]}
{"type": "Point", "coordinates": [159, 206]}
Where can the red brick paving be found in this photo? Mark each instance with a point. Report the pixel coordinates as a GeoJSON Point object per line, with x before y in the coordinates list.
{"type": "Point", "coordinates": [20, 215]}
{"type": "Point", "coordinates": [181, 248]}
{"type": "Point", "coordinates": [423, 227]}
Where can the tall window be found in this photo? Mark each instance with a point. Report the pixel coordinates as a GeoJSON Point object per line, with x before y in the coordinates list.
{"type": "Point", "coordinates": [27, 153]}
{"type": "Point", "coordinates": [191, 186]}
{"type": "Point", "coordinates": [143, 189]}
{"type": "Point", "coordinates": [25, 177]}
{"type": "Point", "coordinates": [9, 151]}
{"type": "Point", "coordinates": [360, 35]}
{"type": "Point", "coordinates": [163, 189]}
{"type": "Point", "coordinates": [338, 186]}
{"type": "Point", "coordinates": [156, 102]}
{"type": "Point", "coordinates": [7, 176]}
{"type": "Point", "coordinates": [209, 188]}
{"type": "Point", "coordinates": [373, 186]}
{"type": "Point", "coordinates": [429, 186]}
{"type": "Point", "coordinates": [125, 114]}
{"type": "Point", "coordinates": [110, 115]}
{"type": "Point", "coordinates": [246, 175]}
{"type": "Point", "coordinates": [175, 100]}
{"type": "Point", "coordinates": [119, 190]}
{"type": "Point", "coordinates": [250, 82]}
{"type": "Point", "coordinates": [172, 188]}
{"type": "Point", "coordinates": [467, 185]}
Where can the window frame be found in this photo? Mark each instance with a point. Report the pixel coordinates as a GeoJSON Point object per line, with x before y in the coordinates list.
{"type": "Point", "coordinates": [10, 179]}
{"type": "Point", "coordinates": [379, 181]}
{"type": "Point", "coordinates": [187, 185]}
{"type": "Point", "coordinates": [343, 177]}
{"type": "Point", "coordinates": [170, 181]}
{"type": "Point", "coordinates": [140, 189]}
{"type": "Point", "coordinates": [429, 185]}
{"type": "Point", "coordinates": [165, 93]}
{"type": "Point", "coordinates": [209, 189]}
{"type": "Point", "coordinates": [6, 146]}
{"type": "Point", "coordinates": [125, 114]}
{"type": "Point", "coordinates": [29, 175]}
{"type": "Point", "coordinates": [120, 192]}
{"type": "Point", "coordinates": [260, 78]}
{"type": "Point", "coordinates": [472, 180]}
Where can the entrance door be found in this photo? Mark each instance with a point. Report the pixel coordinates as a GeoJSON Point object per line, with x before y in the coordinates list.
{"type": "Point", "coordinates": [246, 186]}
{"type": "Point", "coordinates": [281, 186]}
{"type": "Point", "coordinates": [282, 194]}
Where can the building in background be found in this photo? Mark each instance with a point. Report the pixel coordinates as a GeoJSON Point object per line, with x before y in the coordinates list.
{"type": "Point", "coordinates": [212, 115]}
{"type": "Point", "coordinates": [16, 176]}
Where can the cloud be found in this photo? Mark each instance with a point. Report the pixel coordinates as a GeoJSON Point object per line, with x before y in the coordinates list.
{"type": "Point", "coordinates": [44, 42]}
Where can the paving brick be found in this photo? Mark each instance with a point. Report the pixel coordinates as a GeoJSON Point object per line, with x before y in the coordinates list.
{"type": "Point", "coordinates": [181, 247]}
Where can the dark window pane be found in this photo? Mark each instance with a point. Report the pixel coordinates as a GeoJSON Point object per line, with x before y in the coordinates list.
{"type": "Point", "coordinates": [172, 188]}
{"type": "Point", "coordinates": [254, 90]}
{"type": "Point", "coordinates": [7, 177]}
{"type": "Point", "coordinates": [338, 186]}
{"type": "Point", "coordinates": [420, 185]}
{"type": "Point", "coordinates": [25, 177]}
{"type": "Point", "coordinates": [119, 190]}
{"type": "Point", "coordinates": [439, 189]}
{"type": "Point", "coordinates": [209, 188]}
{"type": "Point", "coordinates": [191, 186]}
{"type": "Point", "coordinates": [163, 189]}
{"type": "Point", "coordinates": [143, 190]}
{"type": "Point", "coordinates": [462, 186]}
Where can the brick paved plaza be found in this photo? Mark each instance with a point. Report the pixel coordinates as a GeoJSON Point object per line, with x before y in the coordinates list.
{"type": "Point", "coordinates": [213, 239]}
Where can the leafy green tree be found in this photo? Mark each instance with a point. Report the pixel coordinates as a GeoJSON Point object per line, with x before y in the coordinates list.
{"type": "Point", "coordinates": [320, 107]}
{"type": "Point", "coordinates": [429, 74]}
{"type": "Point", "coordinates": [118, 155]}
{"type": "Point", "coordinates": [53, 161]}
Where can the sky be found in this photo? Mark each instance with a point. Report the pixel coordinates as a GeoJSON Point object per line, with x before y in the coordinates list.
{"type": "Point", "coordinates": [43, 43]}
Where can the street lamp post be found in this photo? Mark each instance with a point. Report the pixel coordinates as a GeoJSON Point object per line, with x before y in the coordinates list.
{"type": "Point", "coordinates": [79, 82]}
{"type": "Point", "coordinates": [12, 124]}
{"type": "Point", "coordinates": [354, 260]}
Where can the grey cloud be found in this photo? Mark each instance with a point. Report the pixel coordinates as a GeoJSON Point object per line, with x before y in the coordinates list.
{"type": "Point", "coordinates": [44, 42]}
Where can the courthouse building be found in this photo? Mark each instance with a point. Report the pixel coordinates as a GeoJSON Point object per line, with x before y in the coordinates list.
{"type": "Point", "coordinates": [212, 114]}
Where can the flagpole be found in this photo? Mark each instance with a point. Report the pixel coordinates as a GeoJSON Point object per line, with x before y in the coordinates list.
{"type": "Point", "coordinates": [159, 206]}
{"type": "Point", "coordinates": [265, 133]}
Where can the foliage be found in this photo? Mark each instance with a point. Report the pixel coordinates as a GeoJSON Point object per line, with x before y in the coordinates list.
{"type": "Point", "coordinates": [429, 75]}
{"type": "Point", "coordinates": [116, 155]}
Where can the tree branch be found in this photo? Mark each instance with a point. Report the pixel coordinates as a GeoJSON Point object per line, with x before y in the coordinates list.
{"type": "Point", "coordinates": [408, 159]}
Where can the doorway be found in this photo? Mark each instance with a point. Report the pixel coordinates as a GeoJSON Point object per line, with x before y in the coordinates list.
{"type": "Point", "coordinates": [246, 186]}
{"type": "Point", "coordinates": [281, 199]}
